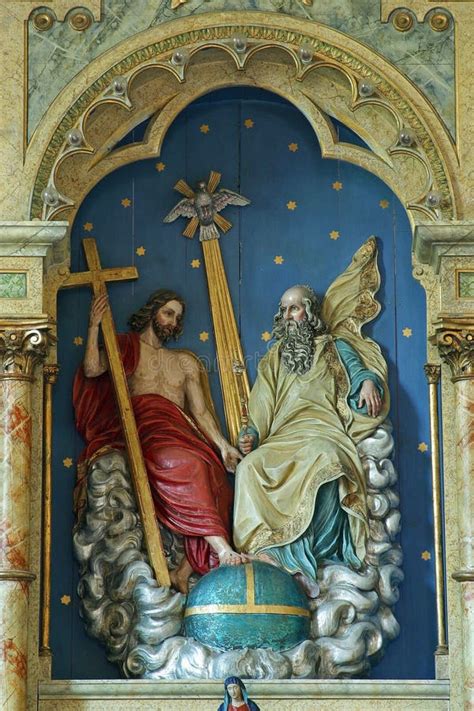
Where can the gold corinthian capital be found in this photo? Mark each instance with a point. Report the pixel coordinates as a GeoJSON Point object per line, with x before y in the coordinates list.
{"type": "Point", "coordinates": [23, 344]}
{"type": "Point", "coordinates": [455, 341]}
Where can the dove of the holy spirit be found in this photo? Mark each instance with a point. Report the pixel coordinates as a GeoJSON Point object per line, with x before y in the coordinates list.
{"type": "Point", "coordinates": [203, 205]}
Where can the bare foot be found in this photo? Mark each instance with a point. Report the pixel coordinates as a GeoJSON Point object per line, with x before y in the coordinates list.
{"type": "Point", "coordinates": [309, 586]}
{"type": "Point", "coordinates": [230, 557]}
{"type": "Point", "coordinates": [226, 555]}
{"type": "Point", "coordinates": [180, 576]}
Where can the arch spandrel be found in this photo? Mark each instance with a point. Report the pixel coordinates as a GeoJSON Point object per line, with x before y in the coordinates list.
{"type": "Point", "coordinates": [325, 87]}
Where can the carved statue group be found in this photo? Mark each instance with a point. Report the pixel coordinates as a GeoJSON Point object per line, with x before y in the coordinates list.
{"type": "Point", "coordinates": [300, 491]}
{"type": "Point", "coordinates": [300, 496]}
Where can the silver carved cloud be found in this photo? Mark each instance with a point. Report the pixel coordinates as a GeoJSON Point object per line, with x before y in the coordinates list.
{"type": "Point", "coordinates": [140, 623]}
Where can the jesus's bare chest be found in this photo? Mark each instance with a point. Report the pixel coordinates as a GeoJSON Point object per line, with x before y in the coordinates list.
{"type": "Point", "coordinates": [159, 373]}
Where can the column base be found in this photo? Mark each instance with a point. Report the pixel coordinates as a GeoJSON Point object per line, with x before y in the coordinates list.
{"type": "Point", "coordinates": [45, 664]}
{"type": "Point", "coordinates": [442, 662]}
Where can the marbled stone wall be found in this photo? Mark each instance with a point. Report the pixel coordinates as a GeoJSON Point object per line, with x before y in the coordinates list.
{"type": "Point", "coordinates": [57, 55]}
{"type": "Point", "coordinates": [15, 459]}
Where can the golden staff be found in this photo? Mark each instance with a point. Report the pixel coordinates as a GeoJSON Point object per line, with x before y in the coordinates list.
{"type": "Point", "coordinates": [202, 206]}
{"type": "Point", "coordinates": [50, 376]}
{"type": "Point", "coordinates": [432, 373]}
{"type": "Point", "coordinates": [239, 369]}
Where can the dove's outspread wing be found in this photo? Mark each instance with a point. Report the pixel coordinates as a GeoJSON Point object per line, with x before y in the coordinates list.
{"type": "Point", "coordinates": [184, 208]}
{"type": "Point", "coordinates": [224, 197]}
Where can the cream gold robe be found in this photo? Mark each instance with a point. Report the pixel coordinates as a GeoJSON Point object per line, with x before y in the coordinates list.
{"type": "Point", "coordinates": [307, 437]}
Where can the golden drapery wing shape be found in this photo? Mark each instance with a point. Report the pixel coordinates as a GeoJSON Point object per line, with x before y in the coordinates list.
{"type": "Point", "coordinates": [349, 304]}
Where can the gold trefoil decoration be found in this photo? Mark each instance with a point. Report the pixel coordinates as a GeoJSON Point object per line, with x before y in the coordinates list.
{"type": "Point", "coordinates": [80, 20]}
{"type": "Point", "coordinates": [177, 3]}
{"type": "Point", "coordinates": [202, 205]}
{"type": "Point", "coordinates": [43, 21]}
{"type": "Point", "coordinates": [439, 21]}
{"type": "Point", "coordinates": [403, 21]}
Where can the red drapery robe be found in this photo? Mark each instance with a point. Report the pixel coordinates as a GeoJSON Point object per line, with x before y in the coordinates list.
{"type": "Point", "coordinates": [191, 493]}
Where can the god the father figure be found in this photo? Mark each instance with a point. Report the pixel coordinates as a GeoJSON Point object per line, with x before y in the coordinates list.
{"type": "Point", "coordinates": [300, 494]}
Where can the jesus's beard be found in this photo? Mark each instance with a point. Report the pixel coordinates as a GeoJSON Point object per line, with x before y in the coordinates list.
{"type": "Point", "coordinates": [164, 333]}
{"type": "Point", "coordinates": [296, 344]}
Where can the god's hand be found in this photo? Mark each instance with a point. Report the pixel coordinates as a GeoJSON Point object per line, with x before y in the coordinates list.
{"type": "Point", "coordinates": [246, 443]}
{"type": "Point", "coordinates": [369, 395]}
{"type": "Point", "coordinates": [230, 457]}
{"type": "Point", "coordinates": [98, 309]}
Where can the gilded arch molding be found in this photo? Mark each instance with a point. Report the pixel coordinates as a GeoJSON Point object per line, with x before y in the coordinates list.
{"type": "Point", "coordinates": [145, 78]}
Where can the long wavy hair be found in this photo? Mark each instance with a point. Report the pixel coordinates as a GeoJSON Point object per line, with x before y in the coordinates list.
{"type": "Point", "coordinates": [141, 318]}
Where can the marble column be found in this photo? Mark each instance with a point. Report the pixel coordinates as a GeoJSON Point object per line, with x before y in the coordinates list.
{"type": "Point", "coordinates": [456, 346]}
{"type": "Point", "coordinates": [23, 344]}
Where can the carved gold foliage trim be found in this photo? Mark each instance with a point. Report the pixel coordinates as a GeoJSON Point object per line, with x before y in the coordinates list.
{"type": "Point", "coordinates": [456, 348]}
{"type": "Point", "coordinates": [260, 33]}
{"type": "Point", "coordinates": [333, 361]}
{"type": "Point", "coordinates": [22, 348]}
{"type": "Point", "coordinates": [432, 373]}
{"type": "Point", "coordinates": [50, 373]}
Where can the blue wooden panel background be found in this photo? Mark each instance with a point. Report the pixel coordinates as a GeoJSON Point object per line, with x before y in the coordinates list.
{"type": "Point", "coordinates": [255, 159]}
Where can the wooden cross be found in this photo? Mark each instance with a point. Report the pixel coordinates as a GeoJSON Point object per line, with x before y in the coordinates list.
{"type": "Point", "coordinates": [97, 278]}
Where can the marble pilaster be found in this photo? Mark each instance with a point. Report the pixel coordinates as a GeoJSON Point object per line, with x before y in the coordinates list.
{"type": "Point", "coordinates": [455, 340]}
{"type": "Point", "coordinates": [23, 344]}
{"type": "Point", "coordinates": [26, 248]}
{"type": "Point", "coordinates": [444, 253]}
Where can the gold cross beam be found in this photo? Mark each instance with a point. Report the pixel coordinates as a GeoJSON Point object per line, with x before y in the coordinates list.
{"type": "Point", "coordinates": [97, 278]}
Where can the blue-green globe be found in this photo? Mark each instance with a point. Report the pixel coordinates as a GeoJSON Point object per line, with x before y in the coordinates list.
{"type": "Point", "coordinates": [252, 605]}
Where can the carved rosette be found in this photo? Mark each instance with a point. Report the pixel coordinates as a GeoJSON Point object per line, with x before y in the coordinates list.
{"type": "Point", "coordinates": [456, 348]}
{"type": "Point", "coordinates": [22, 347]}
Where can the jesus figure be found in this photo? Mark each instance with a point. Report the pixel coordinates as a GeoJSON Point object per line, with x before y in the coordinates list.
{"type": "Point", "coordinates": [185, 453]}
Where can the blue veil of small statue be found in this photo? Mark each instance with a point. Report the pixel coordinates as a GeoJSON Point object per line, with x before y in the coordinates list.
{"type": "Point", "coordinates": [235, 696]}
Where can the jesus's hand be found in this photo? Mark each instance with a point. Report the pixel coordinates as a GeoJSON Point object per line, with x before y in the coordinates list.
{"type": "Point", "coordinates": [369, 395]}
{"type": "Point", "coordinates": [98, 309]}
{"type": "Point", "coordinates": [230, 456]}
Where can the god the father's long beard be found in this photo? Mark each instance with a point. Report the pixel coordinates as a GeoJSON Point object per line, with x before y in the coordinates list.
{"type": "Point", "coordinates": [296, 344]}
